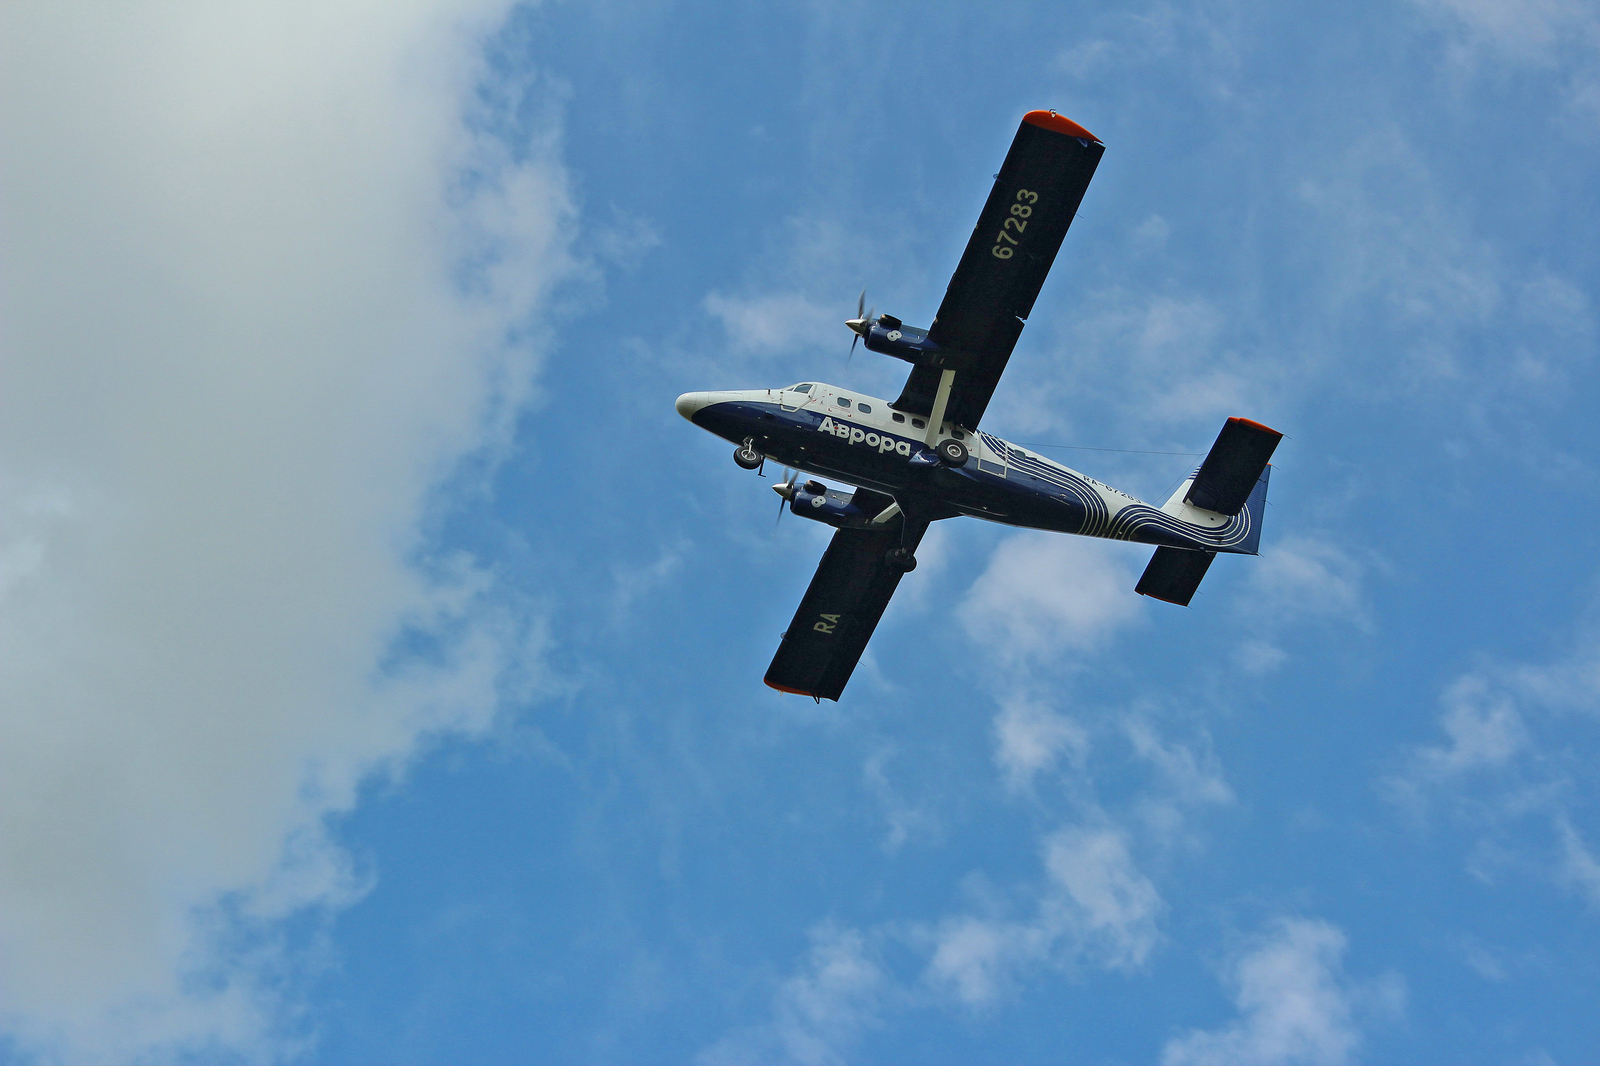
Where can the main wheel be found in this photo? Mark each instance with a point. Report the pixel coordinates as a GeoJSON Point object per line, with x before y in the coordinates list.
{"type": "Point", "coordinates": [747, 457]}
{"type": "Point", "coordinates": [900, 559]}
{"type": "Point", "coordinates": [952, 452]}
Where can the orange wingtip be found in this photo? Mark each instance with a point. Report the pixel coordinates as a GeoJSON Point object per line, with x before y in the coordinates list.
{"type": "Point", "coordinates": [791, 691]}
{"type": "Point", "coordinates": [1255, 425]}
{"type": "Point", "coordinates": [1060, 123]}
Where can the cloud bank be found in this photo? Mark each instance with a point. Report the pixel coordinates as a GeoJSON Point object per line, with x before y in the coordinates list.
{"type": "Point", "coordinates": [264, 284]}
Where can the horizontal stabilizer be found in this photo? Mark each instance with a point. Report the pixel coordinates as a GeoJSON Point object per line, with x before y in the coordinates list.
{"type": "Point", "coordinates": [1233, 466]}
{"type": "Point", "coordinates": [1174, 574]}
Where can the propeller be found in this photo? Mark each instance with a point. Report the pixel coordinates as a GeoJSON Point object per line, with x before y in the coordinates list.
{"type": "Point", "coordinates": [785, 492]}
{"type": "Point", "coordinates": [860, 324]}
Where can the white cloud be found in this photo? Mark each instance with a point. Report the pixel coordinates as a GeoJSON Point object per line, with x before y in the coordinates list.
{"type": "Point", "coordinates": [1172, 347]}
{"type": "Point", "coordinates": [1483, 727]}
{"type": "Point", "coordinates": [776, 324]}
{"type": "Point", "coordinates": [1044, 594]}
{"type": "Point", "coordinates": [1306, 578]}
{"type": "Point", "coordinates": [1517, 747]}
{"type": "Point", "coordinates": [236, 358]}
{"type": "Point", "coordinates": [1029, 738]}
{"type": "Point", "coordinates": [634, 582]}
{"type": "Point", "coordinates": [1485, 735]}
{"type": "Point", "coordinates": [1296, 1005]}
{"type": "Point", "coordinates": [818, 1012]}
{"type": "Point", "coordinates": [904, 818]}
{"type": "Point", "coordinates": [1188, 777]}
{"type": "Point", "coordinates": [1259, 657]}
{"type": "Point", "coordinates": [1578, 868]}
{"type": "Point", "coordinates": [1096, 906]}
{"type": "Point", "coordinates": [1527, 31]}
{"type": "Point", "coordinates": [1105, 899]}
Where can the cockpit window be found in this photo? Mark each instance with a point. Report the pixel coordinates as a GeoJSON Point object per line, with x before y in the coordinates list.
{"type": "Point", "coordinates": [844, 401]}
{"type": "Point", "coordinates": [805, 387]}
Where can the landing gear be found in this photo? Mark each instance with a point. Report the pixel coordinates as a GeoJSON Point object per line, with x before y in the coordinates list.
{"type": "Point", "coordinates": [952, 452]}
{"type": "Point", "coordinates": [746, 455]}
{"type": "Point", "coordinates": [900, 560]}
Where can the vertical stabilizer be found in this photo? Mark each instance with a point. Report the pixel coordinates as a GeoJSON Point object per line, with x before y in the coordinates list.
{"type": "Point", "coordinates": [1174, 574]}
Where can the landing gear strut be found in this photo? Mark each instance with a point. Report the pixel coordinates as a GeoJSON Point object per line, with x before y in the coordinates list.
{"type": "Point", "coordinates": [746, 455]}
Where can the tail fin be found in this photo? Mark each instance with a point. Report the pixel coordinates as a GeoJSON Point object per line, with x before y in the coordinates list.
{"type": "Point", "coordinates": [1174, 574]}
{"type": "Point", "coordinates": [1254, 510]}
{"type": "Point", "coordinates": [1182, 505]}
{"type": "Point", "coordinates": [1249, 516]}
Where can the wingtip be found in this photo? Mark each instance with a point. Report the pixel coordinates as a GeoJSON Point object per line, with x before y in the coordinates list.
{"type": "Point", "coordinates": [1163, 599]}
{"type": "Point", "coordinates": [1253, 424]}
{"type": "Point", "coordinates": [1060, 123]}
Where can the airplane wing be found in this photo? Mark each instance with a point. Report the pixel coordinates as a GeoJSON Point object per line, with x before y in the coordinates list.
{"type": "Point", "coordinates": [1035, 196]}
{"type": "Point", "coordinates": [840, 610]}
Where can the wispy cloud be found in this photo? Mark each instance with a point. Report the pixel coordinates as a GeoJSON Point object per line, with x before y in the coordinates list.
{"type": "Point", "coordinates": [819, 1011]}
{"type": "Point", "coordinates": [1296, 1005]}
{"type": "Point", "coordinates": [1513, 767]}
{"type": "Point", "coordinates": [266, 283]}
{"type": "Point", "coordinates": [1187, 778]}
{"type": "Point", "coordinates": [1096, 907]}
{"type": "Point", "coordinates": [1537, 32]}
{"type": "Point", "coordinates": [776, 324]}
{"type": "Point", "coordinates": [1093, 905]}
{"type": "Point", "coordinates": [1044, 595]}
{"type": "Point", "coordinates": [1030, 737]}
{"type": "Point", "coordinates": [1300, 581]}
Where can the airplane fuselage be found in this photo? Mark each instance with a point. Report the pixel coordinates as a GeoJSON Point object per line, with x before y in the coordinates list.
{"type": "Point", "coordinates": [859, 439]}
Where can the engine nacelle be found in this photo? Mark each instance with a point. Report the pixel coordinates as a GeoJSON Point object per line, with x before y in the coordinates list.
{"type": "Point", "coordinates": [889, 336]}
{"type": "Point", "coordinates": [831, 507]}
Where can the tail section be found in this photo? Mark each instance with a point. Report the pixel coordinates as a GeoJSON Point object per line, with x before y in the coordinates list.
{"type": "Point", "coordinates": [1233, 467]}
{"type": "Point", "coordinates": [1253, 511]}
{"type": "Point", "coordinates": [1174, 574]}
{"type": "Point", "coordinates": [1231, 483]}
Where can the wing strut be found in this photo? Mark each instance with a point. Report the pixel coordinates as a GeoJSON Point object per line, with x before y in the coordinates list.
{"type": "Point", "coordinates": [941, 399]}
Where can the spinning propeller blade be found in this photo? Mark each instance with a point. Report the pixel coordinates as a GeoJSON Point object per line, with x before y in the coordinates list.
{"type": "Point", "coordinates": [861, 324]}
{"type": "Point", "coordinates": [785, 492]}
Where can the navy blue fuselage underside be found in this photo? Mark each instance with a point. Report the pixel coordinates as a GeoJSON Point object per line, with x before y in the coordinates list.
{"type": "Point", "coordinates": [1023, 492]}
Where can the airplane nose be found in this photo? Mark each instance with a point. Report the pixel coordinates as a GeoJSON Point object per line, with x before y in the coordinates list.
{"type": "Point", "coordinates": [690, 402]}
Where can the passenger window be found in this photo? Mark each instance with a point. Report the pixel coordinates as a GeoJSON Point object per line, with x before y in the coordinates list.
{"type": "Point", "coordinates": [898, 417]}
{"type": "Point", "coordinates": [864, 408]}
{"type": "Point", "coordinates": [843, 401]}
{"type": "Point", "coordinates": [919, 423]}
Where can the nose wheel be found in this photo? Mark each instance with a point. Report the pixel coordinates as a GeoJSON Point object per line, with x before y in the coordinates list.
{"type": "Point", "coordinates": [746, 455]}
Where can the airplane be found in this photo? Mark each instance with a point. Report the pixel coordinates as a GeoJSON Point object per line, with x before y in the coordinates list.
{"type": "Point", "coordinates": [922, 457]}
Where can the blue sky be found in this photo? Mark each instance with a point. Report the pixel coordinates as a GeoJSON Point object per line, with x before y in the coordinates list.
{"type": "Point", "coordinates": [380, 653]}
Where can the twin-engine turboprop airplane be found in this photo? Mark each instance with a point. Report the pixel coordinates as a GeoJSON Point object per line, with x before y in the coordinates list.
{"type": "Point", "coordinates": [922, 457]}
